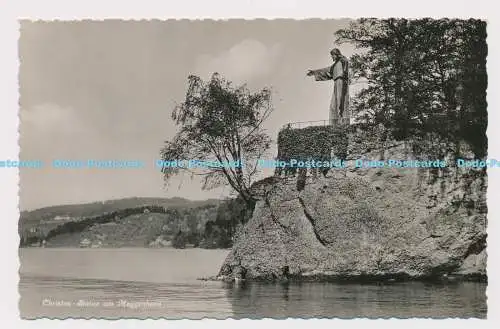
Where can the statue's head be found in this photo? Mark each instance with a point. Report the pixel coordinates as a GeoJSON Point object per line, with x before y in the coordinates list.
{"type": "Point", "coordinates": [335, 53]}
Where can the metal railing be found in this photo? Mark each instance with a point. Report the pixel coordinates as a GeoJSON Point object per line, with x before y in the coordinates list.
{"type": "Point", "coordinates": [305, 124]}
{"type": "Point", "coordinates": [335, 122]}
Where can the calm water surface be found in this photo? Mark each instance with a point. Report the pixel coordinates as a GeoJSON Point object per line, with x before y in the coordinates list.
{"type": "Point", "coordinates": [162, 283]}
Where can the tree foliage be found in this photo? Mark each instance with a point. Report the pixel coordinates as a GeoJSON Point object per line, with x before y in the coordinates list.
{"type": "Point", "coordinates": [425, 76]}
{"type": "Point", "coordinates": [179, 241]}
{"type": "Point", "coordinates": [223, 123]}
{"type": "Point", "coordinates": [232, 214]}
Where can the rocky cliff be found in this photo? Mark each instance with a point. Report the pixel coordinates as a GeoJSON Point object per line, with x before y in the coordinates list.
{"type": "Point", "coordinates": [366, 223]}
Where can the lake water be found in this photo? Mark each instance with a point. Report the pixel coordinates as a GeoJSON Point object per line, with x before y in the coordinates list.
{"type": "Point", "coordinates": [162, 283]}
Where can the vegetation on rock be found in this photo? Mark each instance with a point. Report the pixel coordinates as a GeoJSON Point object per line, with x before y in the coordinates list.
{"type": "Point", "coordinates": [426, 77]}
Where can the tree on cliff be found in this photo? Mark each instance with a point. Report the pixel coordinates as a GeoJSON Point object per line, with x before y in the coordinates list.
{"type": "Point", "coordinates": [425, 76]}
{"type": "Point", "coordinates": [220, 123]}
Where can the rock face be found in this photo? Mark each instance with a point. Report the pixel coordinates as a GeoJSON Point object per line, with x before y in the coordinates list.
{"type": "Point", "coordinates": [366, 223]}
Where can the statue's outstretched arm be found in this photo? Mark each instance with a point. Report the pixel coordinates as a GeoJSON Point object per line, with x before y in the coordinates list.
{"type": "Point", "coordinates": [321, 74]}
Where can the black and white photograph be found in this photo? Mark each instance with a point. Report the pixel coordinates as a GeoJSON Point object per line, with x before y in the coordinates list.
{"type": "Point", "coordinates": [266, 168]}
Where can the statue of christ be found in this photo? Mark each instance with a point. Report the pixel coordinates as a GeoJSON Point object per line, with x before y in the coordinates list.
{"type": "Point", "coordinates": [339, 73]}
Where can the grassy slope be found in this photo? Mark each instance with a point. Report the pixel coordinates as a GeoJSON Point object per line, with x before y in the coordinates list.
{"type": "Point", "coordinates": [134, 230]}
{"type": "Point", "coordinates": [43, 217]}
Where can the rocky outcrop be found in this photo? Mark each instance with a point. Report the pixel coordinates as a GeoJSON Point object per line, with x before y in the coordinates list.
{"type": "Point", "coordinates": [366, 223]}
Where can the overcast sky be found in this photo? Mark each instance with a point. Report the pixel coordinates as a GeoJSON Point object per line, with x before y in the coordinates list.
{"type": "Point", "coordinates": [106, 89]}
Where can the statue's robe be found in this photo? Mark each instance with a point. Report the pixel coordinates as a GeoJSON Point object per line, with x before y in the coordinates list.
{"type": "Point", "coordinates": [339, 73]}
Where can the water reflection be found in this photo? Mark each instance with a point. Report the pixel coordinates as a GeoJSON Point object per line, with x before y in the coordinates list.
{"type": "Point", "coordinates": [96, 298]}
{"type": "Point", "coordinates": [168, 278]}
{"type": "Point", "coordinates": [414, 299]}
